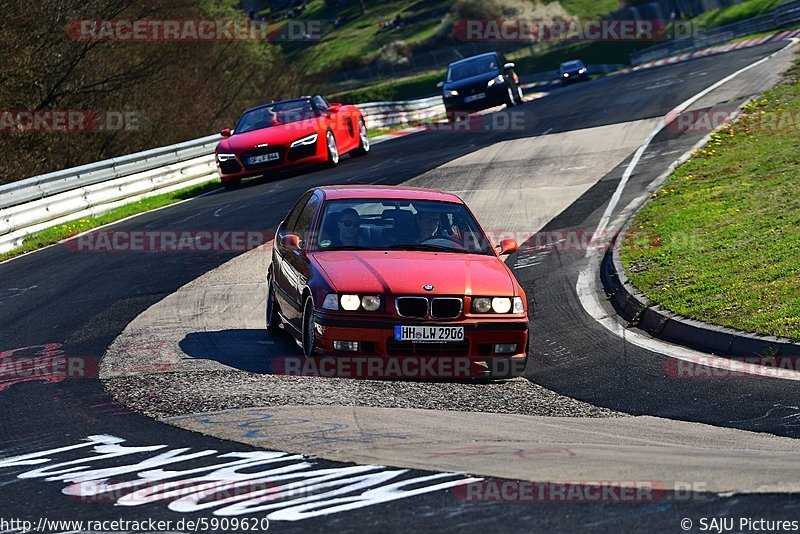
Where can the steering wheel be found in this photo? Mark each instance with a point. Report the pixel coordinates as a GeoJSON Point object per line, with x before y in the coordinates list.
{"type": "Point", "coordinates": [439, 238]}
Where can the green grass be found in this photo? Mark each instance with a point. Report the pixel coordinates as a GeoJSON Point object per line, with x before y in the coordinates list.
{"type": "Point", "coordinates": [737, 12]}
{"type": "Point", "coordinates": [586, 9]}
{"type": "Point", "coordinates": [724, 231]}
{"type": "Point", "coordinates": [49, 236]}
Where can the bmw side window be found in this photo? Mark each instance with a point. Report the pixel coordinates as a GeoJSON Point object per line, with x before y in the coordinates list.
{"type": "Point", "coordinates": [303, 225]}
{"type": "Point", "coordinates": [291, 220]}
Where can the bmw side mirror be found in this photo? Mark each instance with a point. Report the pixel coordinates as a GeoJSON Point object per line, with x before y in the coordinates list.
{"type": "Point", "coordinates": [508, 246]}
{"type": "Point", "coordinates": [292, 242]}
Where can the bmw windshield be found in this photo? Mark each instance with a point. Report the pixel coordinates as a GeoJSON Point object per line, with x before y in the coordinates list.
{"type": "Point", "coordinates": [423, 225]}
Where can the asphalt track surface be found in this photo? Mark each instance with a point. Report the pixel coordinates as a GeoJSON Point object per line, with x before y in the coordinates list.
{"type": "Point", "coordinates": [83, 301]}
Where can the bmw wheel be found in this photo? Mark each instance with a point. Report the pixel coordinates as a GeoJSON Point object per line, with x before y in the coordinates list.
{"type": "Point", "coordinates": [309, 328]}
{"type": "Point", "coordinates": [273, 319]}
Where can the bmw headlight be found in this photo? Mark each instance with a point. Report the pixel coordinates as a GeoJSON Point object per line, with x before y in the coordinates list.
{"type": "Point", "coordinates": [308, 140]}
{"type": "Point", "coordinates": [498, 305]}
{"type": "Point", "coordinates": [481, 304]}
{"type": "Point", "coordinates": [368, 303]}
{"type": "Point", "coordinates": [501, 304]}
{"type": "Point", "coordinates": [497, 79]}
{"type": "Point", "coordinates": [350, 302]}
{"type": "Point", "coordinates": [371, 303]}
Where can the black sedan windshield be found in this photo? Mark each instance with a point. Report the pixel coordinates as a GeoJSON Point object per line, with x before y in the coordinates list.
{"type": "Point", "coordinates": [425, 225]}
{"type": "Point", "coordinates": [472, 67]}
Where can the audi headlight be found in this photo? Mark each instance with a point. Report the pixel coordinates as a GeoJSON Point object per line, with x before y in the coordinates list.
{"type": "Point", "coordinates": [371, 303]}
{"type": "Point", "coordinates": [497, 79]}
{"type": "Point", "coordinates": [308, 140]}
{"type": "Point", "coordinates": [350, 302]}
{"type": "Point", "coordinates": [501, 304]}
{"type": "Point", "coordinates": [481, 304]}
{"type": "Point", "coordinates": [519, 306]}
{"type": "Point", "coordinates": [225, 157]}
{"type": "Point", "coordinates": [451, 92]}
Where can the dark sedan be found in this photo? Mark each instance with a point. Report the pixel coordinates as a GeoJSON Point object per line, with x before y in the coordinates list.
{"type": "Point", "coordinates": [480, 82]}
{"type": "Point", "coordinates": [573, 71]}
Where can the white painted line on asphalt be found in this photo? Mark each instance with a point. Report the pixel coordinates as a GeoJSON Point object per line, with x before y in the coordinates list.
{"type": "Point", "coordinates": [587, 279]}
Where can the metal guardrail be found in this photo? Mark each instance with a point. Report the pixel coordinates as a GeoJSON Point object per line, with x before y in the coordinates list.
{"type": "Point", "coordinates": [782, 16]}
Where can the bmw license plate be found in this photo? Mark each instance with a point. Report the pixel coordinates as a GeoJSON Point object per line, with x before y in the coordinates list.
{"type": "Point", "coordinates": [269, 156]}
{"type": "Point", "coordinates": [473, 98]}
{"type": "Point", "coordinates": [429, 334]}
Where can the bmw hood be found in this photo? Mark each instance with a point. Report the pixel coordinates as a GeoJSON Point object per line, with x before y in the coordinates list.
{"type": "Point", "coordinates": [406, 272]}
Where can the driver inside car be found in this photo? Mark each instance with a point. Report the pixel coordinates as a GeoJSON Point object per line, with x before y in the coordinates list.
{"type": "Point", "coordinates": [427, 226]}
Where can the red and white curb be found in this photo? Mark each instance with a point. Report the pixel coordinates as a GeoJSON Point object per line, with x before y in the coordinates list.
{"type": "Point", "coordinates": [755, 41]}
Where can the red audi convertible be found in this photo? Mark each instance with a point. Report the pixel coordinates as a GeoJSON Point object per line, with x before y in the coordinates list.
{"type": "Point", "coordinates": [303, 131]}
{"type": "Point", "coordinates": [381, 271]}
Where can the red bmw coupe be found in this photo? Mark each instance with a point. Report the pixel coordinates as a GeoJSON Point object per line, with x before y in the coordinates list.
{"type": "Point", "coordinates": [303, 131]}
{"type": "Point", "coordinates": [395, 271]}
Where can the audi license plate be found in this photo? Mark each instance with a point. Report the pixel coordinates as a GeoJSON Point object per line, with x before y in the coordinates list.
{"type": "Point", "coordinates": [269, 156]}
{"type": "Point", "coordinates": [429, 334]}
{"type": "Point", "coordinates": [473, 98]}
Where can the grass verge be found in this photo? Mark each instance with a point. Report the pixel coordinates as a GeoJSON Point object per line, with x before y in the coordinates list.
{"type": "Point", "coordinates": [724, 231]}
{"type": "Point", "coordinates": [49, 236]}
